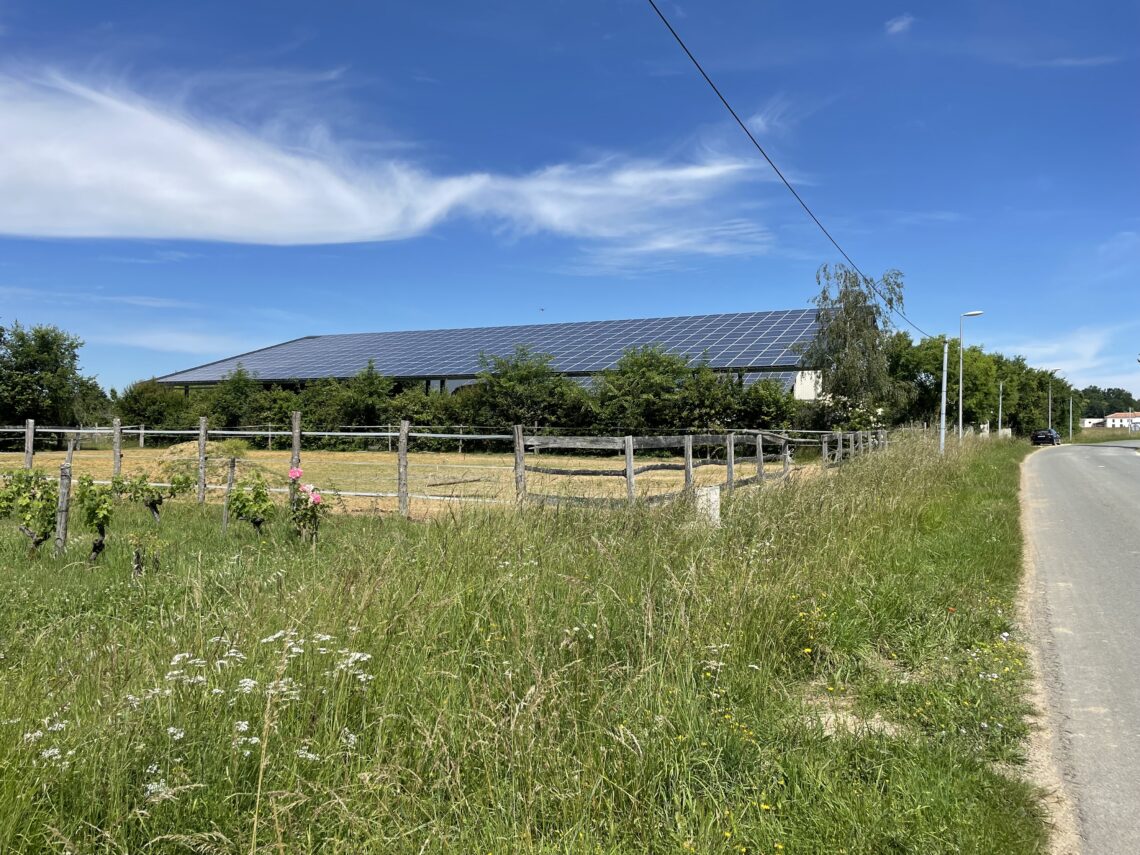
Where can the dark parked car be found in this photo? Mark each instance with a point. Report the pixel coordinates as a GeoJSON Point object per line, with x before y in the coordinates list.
{"type": "Point", "coordinates": [1048, 436]}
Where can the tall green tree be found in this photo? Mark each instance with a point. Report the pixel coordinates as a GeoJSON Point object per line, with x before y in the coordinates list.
{"type": "Point", "coordinates": [642, 391]}
{"type": "Point", "coordinates": [149, 403]}
{"type": "Point", "coordinates": [40, 377]}
{"type": "Point", "coordinates": [525, 388]}
{"type": "Point", "coordinates": [852, 346]}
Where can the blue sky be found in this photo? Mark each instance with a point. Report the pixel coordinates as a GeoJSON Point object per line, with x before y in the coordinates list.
{"type": "Point", "coordinates": [182, 182]}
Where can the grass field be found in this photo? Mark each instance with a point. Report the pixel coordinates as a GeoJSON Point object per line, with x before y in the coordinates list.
{"type": "Point", "coordinates": [830, 670]}
{"type": "Point", "coordinates": [464, 476]}
{"type": "Point", "coordinates": [1098, 435]}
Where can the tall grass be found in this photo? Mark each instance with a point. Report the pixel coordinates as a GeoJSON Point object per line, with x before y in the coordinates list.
{"type": "Point", "coordinates": [824, 672]}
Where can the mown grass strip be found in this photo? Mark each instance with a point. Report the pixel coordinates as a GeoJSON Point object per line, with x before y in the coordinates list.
{"type": "Point", "coordinates": [827, 671]}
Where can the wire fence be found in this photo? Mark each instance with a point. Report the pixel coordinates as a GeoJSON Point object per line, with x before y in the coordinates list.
{"type": "Point", "coordinates": [412, 469]}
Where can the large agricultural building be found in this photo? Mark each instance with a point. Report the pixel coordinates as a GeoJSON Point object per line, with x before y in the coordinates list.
{"type": "Point", "coordinates": [758, 345]}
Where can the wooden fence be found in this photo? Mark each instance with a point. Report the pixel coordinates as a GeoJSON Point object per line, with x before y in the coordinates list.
{"type": "Point", "coordinates": [721, 450]}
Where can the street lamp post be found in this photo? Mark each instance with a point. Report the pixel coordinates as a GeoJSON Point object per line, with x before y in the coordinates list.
{"type": "Point", "coordinates": [1052, 371]}
{"type": "Point", "coordinates": [961, 340]}
{"type": "Point", "coordinates": [1001, 388]}
{"type": "Point", "coordinates": [942, 422]}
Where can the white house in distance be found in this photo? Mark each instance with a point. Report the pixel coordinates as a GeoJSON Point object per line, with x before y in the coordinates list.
{"type": "Point", "coordinates": [1092, 423]}
{"type": "Point", "coordinates": [1123, 420]}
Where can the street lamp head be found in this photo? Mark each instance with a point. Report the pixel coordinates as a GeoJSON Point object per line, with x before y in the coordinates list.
{"type": "Point", "coordinates": [973, 314]}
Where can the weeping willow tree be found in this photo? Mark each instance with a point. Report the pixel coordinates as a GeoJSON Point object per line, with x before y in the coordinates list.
{"type": "Point", "coordinates": [852, 346]}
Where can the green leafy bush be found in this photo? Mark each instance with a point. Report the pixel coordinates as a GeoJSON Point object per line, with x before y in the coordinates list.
{"type": "Point", "coordinates": [31, 497]}
{"type": "Point", "coordinates": [250, 501]}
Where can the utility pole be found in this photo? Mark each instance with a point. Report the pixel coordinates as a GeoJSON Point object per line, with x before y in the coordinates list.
{"type": "Point", "coordinates": [1001, 387]}
{"type": "Point", "coordinates": [1070, 418]}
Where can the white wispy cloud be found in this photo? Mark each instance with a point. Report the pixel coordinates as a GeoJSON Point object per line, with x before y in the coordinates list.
{"type": "Point", "coordinates": [1086, 355]}
{"type": "Point", "coordinates": [80, 160]}
{"type": "Point", "coordinates": [922, 218]}
{"type": "Point", "coordinates": [178, 341]}
{"type": "Point", "coordinates": [899, 25]}
{"type": "Point", "coordinates": [43, 295]}
{"type": "Point", "coordinates": [777, 116]}
{"type": "Point", "coordinates": [1070, 62]}
{"type": "Point", "coordinates": [161, 256]}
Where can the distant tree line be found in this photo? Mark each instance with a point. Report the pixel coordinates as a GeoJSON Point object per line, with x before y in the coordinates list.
{"type": "Point", "coordinates": [872, 375]}
{"type": "Point", "coordinates": [648, 389]}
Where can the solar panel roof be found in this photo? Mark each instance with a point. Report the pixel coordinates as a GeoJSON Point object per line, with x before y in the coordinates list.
{"type": "Point", "coordinates": [746, 341]}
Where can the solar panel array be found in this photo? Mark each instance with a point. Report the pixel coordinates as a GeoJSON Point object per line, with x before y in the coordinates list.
{"type": "Point", "coordinates": [747, 341]}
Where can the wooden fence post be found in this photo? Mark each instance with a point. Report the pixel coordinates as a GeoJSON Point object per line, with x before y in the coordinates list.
{"type": "Point", "coordinates": [787, 457]}
{"type": "Point", "coordinates": [402, 467]}
{"type": "Point", "coordinates": [520, 465]}
{"type": "Point", "coordinates": [61, 509]}
{"type": "Point", "coordinates": [629, 492]}
{"type": "Point", "coordinates": [688, 445]}
{"type": "Point", "coordinates": [295, 453]}
{"type": "Point", "coordinates": [29, 442]}
{"type": "Point", "coordinates": [117, 446]}
{"type": "Point", "coordinates": [823, 456]}
{"type": "Point", "coordinates": [838, 448]}
{"type": "Point", "coordinates": [730, 460]}
{"type": "Point", "coordinates": [142, 436]}
{"type": "Point", "coordinates": [851, 445]}
{"type": "Point", "coordinates": [229, 489]}
{"type": "Point", "coordinates": [760, 456]}
{"type": "Point", "coordinates": [202, 427]}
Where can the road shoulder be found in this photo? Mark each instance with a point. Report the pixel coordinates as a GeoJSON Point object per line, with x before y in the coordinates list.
{"type": "Point", "coordinates": [1046, 749]}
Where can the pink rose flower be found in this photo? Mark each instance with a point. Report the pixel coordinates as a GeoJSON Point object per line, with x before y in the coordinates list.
{"type": "Point", "coordinates": [294, 473]}
{"type": "Point", "coordinates": [315, 498]}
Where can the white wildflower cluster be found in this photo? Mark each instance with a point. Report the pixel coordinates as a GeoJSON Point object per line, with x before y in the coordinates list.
{"type": "Point", "coordinates": [33, 736]}
{"type": "Point", "coordinates": [246, 743]}
{"type": "Point", "coordinates": [348, 739]}
{"type": "Point", "coordinates": [246, 685]}
{"type": "Point", "coordinates": [158, 791]}
{"type": "Point", "coordinates": [279, 635]}
{"type": "Point", "coordinates": [287, 689]}
{"type": "Point", "coordinates": [305, 754]}
{"type": "Point", "coordinates": [176, 733]}
{"type": "Point", "coordinates": [350, 662]}
{"type": "Point", "coordinates": [241, 726]}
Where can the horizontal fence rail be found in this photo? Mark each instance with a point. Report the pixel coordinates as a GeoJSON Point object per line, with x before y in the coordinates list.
{"type": "Point", "coordinates": [746, 456]}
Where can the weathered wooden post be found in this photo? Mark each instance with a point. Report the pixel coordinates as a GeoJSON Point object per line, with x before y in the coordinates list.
{"type": "Point", "coordinates": [838, 448]}
{"type": "Point", "coordinates": [823, 455]}
{"type": "Point", "coordinates": [688, 447]}
{"type": "Point", "coordinates": [730, 460]}
{"type": "Point", "coordinates": [29, 442]}
{"type": "Point", "coordinates": [760, 456]}
{"type": "Point", "coordinates": [142, 436]}
{"type": "Point", "coordinates": [520, 465]}
{"type": "Point", "coordinates": [202, 427]}
{"type": "Point", "coordinates": [229, 489]}
{"type": "Point", "coordinates": [629, 492]}
{"type": "Point", "coordinates": [295, 453]}
{"type": "Point", "coordinates": [402, 467]}
{"type": "Point", "coordinates": [61, 508]}
{"type": "Point", "coordinates": [117, 446]}
{"type": "Point", "coordinates": [851, 445]}
{"type": "Point", "coordinates": [787, 457]}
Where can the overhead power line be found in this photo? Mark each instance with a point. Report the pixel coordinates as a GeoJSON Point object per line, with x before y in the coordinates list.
{"type": "Point", "coordinates": [776, 169]}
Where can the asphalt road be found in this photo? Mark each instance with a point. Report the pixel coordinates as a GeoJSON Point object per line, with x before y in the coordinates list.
{"type": "Point", "coordinates": [1083, 535]}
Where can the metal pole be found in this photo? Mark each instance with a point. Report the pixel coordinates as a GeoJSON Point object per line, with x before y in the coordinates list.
{"type": "Point", "coordinates": [1070, 418]}
{"type": "Point", "coordinates": [942, 422]}
{"type": "Point", "coordinates": [1001, 387]}
{"type": "Point", "coordinates": [961, 339]}
{"type": "Point", "coordinates": [1050, 400]}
